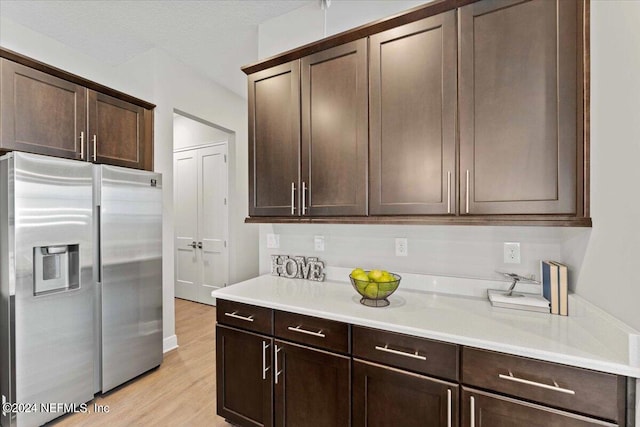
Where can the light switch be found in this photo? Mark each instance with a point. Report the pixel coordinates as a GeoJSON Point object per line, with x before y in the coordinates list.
{"type": "Point", "coordinates": [318, 243]}
{"type": "Point", "coordinates": [273, 241]}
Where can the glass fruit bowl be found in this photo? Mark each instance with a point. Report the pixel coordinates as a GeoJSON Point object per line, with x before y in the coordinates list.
{"type": "Point", "coordinates": [375, 291]}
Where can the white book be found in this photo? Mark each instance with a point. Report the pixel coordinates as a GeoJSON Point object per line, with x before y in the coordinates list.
{"type": "Point", "coordinates": [518, 301]}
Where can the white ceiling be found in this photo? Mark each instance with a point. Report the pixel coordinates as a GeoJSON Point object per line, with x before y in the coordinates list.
{"type": "Point", "coordinates": [215, 37]}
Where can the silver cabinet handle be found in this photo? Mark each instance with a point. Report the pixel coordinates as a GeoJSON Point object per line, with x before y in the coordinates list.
{"type": "Point", "coordinates": [401, 353]}
{"type": "Point", "coordinates": [304, 198]}
{"type": "Point", "coordinates": [95, 148]}
{"type": "Point", "coordinates": [467, 193]}
{"type": "Point", "coordinates": [276, 363]}
{"type": "Point", "coordinates": [237, 316]}
{"type": "Point", "coordinates": [472, 410]}
{"type": "Point", "coordinates": [265, 368]}
{"type": "Point", "coordinates": [449, 192]}
{"type": "Point", "coordinates": [304, 331]}
{"type": "Point", "coordinates": [81, 145]}
{"type": "Point", "coordinates": [293, 198]}
{"type": "Point", "coordinates": [192, 244]}
{"type": "Point", "coordinates": [199, 245]}
{"type": "Point", "coordinates": [554, 387]}
{"type": "Point", "coordinates": [449, 414]}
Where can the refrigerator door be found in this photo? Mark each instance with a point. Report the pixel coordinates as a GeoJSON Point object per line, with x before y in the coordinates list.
{"type": "Point", "coordinates": [130, 273]}
{"type": "Point", "coordinates": [48, 253]}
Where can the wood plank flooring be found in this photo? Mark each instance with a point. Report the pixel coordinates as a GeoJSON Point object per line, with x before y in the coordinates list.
{"type": "Point", "coordinates": [181, 392]}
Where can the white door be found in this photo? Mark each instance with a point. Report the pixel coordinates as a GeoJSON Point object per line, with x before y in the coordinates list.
{"type": "Point", "coordinates": [201, 222]}
{"type": "Point", "coordinates": [187, 259]}
{"type": "Point", "coordinates": [212, 219]}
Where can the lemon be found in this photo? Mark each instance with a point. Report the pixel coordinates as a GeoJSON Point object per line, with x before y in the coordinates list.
{"type": "Point", "coordinates": [371, 291]}
{"type": "Point", "coordinates": [375, 275]}
{"type": "Point", "coordinates": [357, 271]}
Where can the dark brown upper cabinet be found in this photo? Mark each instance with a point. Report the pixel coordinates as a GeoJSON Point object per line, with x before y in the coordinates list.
{"type": "Point", "coordinates": [334, 131]}
{"type": "Point", "coordinates": [413, 118]}
{"type": "Point", "coordinates": [119, 132]}
{"type": "Point", "coordinates": [274, 141]}
{"type": "Point", "coordinates": [45, 110]}
{"type": "Point", "coordinates": [41, 113]}
{"type": "Point", "coordinates": [478, 114]}
{"type": "Point", "coordinates": [519, 147]}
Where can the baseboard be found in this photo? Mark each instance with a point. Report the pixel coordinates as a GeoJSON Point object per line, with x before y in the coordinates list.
{"type": "Point", "coordinates": [169, 343]}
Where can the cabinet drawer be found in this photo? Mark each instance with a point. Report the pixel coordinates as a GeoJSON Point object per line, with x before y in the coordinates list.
{"type": "Point", "coordinates": [576, 389]}
{"type": "Point", "coordinates": [416, 354]}
{"type": "Point", "coordinates": [245, 316]}
{"type": "Point", "coordinates": [322, 333]}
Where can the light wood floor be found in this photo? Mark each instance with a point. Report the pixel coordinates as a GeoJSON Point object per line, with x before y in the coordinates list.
{"type": "Point", "coordinates": [181, 392]}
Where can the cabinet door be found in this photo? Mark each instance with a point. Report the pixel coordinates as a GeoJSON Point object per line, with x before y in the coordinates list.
{"type": "Point", "coordinates": [334, 131]}
{"type": "Point", "coordinates": [243, 377]}
{"type": "Point", "coordinates": [312, 387]}
{"type": "Point", "coordinates": [384, 396]}
{"type": "Point", "coordinates": [518, 107]}
{"type": "Point", "coordinates": [41, 113]}
{"type": "Point", "coordinates": [274, 141]}
{"type": "Point", "coordinates": [120, 132]}
{"type": "Point", "coordinates": [413, 118]}
{"type": "Point", "coordinates": [488, 410]}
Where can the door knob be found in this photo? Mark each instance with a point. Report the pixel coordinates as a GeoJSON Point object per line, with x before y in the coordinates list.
{"type": "Point", "coordinates": [199, 245]}
{"type": "Point", "coordinates": [192, 244]}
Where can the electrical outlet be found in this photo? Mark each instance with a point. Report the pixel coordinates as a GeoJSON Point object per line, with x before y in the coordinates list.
{"type": "Point", "coordinates": [402, 247]}
{"type": "Point", "coordinates": [318, 243]}
{"type": "Point", "coordinates": [512, 252]}
{"type": "Point", "coordinates": [273, 241]}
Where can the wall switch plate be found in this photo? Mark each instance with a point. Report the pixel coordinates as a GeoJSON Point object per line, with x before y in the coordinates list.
{"type": "Point", "coordinates": [273, 241]}
{"type": "Point", "coordinates": [402, 247]}
{"type": "Point", "coordinates": [512, 252]}
{"type": "Point", "coordinates": [318, 243]}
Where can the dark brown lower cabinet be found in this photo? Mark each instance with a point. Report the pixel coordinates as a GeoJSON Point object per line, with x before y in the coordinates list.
{"type": "Point", "coordinates": [312, 387]}
{"type": "Point", "coordinates": [488, 410]}
{"type": "Point", "coordinates": [244, 375]}
{"type": "Point", "coordinates": [384, 396]}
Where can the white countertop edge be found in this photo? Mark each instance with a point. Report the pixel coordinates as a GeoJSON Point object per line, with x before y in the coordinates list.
{"type": "Point", "coordinates": [613, 368]}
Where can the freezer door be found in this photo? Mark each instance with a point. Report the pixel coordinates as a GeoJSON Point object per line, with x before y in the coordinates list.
{"type": "Point", "coordinates": [51, 303]}
{"type": "Point", "coordinates": [131, 273]}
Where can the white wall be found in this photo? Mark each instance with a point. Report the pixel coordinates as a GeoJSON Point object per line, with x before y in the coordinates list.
{"type": "Point", "coordinates": [308, 24]}
{"type": "Point", "coordinates": [461, 251]}
{"type": "Point", "coordinates": [609, 273]}
{"type": "Point", "coordinates": [191, 133]}
{"type": "Point", "coordinates": [603, 260]}
{"type": "Point", "coordinates": [156, 77]}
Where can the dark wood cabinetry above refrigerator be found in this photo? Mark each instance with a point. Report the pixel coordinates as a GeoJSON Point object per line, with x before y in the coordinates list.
{"type": "Point", "coordinates": [45, 110]}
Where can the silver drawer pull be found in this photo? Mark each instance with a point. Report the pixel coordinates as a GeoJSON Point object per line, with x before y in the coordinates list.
{"type": "Point", "coordinates": [237, 316]}
{"type": "Point", "coordinates": [278, 372]}
{"type": "Point", "coordinates": [304, 331]}
{"type": "Point", "coordinates": [449, 408]}
{"type": "Point", "coordinates": [265, 368]}
{"type": "Point", "coordinates": [554, 387]}
{"type": "Point", "coordinates": [401, 353]}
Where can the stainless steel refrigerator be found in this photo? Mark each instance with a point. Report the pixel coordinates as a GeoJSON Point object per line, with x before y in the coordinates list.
{"type": "Point", "coordinates": [128, 214]}
{"type": "Point", "coordinates": [46, 287]}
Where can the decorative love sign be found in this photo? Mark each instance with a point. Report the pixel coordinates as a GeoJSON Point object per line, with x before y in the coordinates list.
{"type": "Point", "coordinates": [297, 267]}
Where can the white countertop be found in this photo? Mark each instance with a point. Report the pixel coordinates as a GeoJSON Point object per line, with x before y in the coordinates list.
{"type": "Point", "coordinates": [588, 338]}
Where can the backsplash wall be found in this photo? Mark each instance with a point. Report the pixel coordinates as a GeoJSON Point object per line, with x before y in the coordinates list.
{"type": "Point", "coordinates": [460, 251]}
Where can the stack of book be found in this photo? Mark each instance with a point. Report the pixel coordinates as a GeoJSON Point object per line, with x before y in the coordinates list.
{"type": "Point", "coordinates": [555, 286]}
